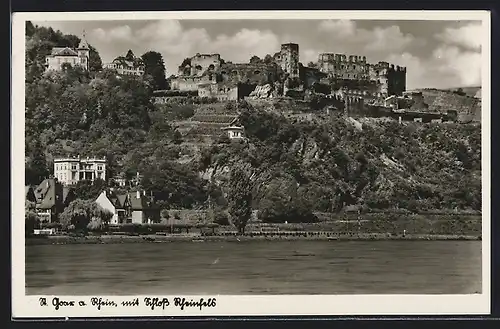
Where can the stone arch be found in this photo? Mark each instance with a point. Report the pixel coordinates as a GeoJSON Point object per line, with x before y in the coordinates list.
{"type": "Point", "coordinates": [211, 67]}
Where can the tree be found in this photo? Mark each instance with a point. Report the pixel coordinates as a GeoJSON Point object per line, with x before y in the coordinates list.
{"type": "Point", "coordinates": [177, 138]}
{"type": "Point", "coordinates": [84, 214]}
{"type": "Point", "coordinates": [95, 62]}
{"type": "Point", "coordinates": [460, 92]}
{"type": "Point", "coordinates": [36, 168]}
{"type": "Point", "coordinates": [268, 59]}
{"type": "Point", "coordinates": [240, 199]}
{"type": "Point", "coordinates": [155, 67]}
{"type": "Point", "coordinates": [30, 29]}
{"type": "Point", "coordinates": [30, 217]}
{"type": "Point", "coordinates": [255, 60]}
{"type": "Point", "coordinates": [90, 190]}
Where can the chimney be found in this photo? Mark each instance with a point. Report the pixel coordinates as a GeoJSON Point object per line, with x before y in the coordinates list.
{"type": "Point", "coordinates": [144, 192]}
{"type": "Point", "coordinates": [138, 194]}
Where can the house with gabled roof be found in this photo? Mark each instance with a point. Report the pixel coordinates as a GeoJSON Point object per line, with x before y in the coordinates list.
{"type": "Point", "coordinates": [134, 207]}
{"type": "Point", "coordinates": [51, 198]}
{"type": "Point", "coordinates": [118, 204]}
{"type": "Point", "coordinates": [66, 55]}
{"type": "Point", "coordinates": [235, 130]}
{"type": "Point", "coordinates": [143, 208]}
{"type": "Point", "coordinates": [127, 65]}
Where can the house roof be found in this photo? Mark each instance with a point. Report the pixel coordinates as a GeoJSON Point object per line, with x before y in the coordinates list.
{"type": "Point", "coordinates": [138, 203]}
{"type": "Point", "coordinates": [83, 44]}
{"type": "Point", "coordinates": [122, 198]}
{"type": "Point", "coordinates": [47, 194]}
{"type": "Point", "coordinates": [233, 128]}
{"type": "Point", "coordinates": [136, 62]}
{"type": "Point", "coordinates": [66, 192]}
{"type": "Point", "coordinates": [118, 200]}
{"type": "Point", "coordinates": [63, 51]}
{"type": "Point", "coordinates": [142, 203]}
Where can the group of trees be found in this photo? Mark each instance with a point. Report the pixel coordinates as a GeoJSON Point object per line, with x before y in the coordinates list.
{"type": "Point", "coordinates": [84, 214]}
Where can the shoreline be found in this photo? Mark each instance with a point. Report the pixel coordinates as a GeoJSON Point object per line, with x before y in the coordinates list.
{"type": "Point", "coordinates": [117, 239]}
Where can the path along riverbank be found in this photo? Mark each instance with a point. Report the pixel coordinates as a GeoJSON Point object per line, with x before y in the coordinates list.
{"type": "Point", "coordinates": [316, 236]}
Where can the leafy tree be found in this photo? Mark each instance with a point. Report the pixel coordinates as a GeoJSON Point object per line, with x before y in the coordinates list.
{"type": "Point", "coordinates": [30, 217]}
{"type": "Point", "coordinates": [155, 67]}
{"type": "Point", "coordinates": [240, 199]}
{"type": "Point", "coordinates": [36, 167]}
{"type": "Point", "coordinates": [88, 190]}
{"type": "Point", "coordinates": [255, 60]}
{"type": "Point", "coordinates": [30, 29]}
{"type": "Point", "coordinates": [95, 61]}
{"type": "Point", "coordinates": [81, 213]}
{"type": "Point", "coordinates": [268, 59]}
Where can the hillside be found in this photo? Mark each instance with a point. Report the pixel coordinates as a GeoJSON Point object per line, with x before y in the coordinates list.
{"type": "Point", "coordinates": [332, 162]}
{"type": "Point", "coordinates": [299, 160]}
{"type": "Point", "coordinates": [469, 91]}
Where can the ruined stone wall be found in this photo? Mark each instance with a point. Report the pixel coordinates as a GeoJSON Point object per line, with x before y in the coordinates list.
{"type": "Point", "coordinates": [341, 66]}
{"type": "Point", "coordinates": [203, 62]}
{"type": "Point", "coordinates": [190, 83]}
{"type": "Point", "coordinates": [310, 76]}
{"type": "Point", "coordinates": [259, 74]}
{"type": "Point", "coordinates": [218, 90]}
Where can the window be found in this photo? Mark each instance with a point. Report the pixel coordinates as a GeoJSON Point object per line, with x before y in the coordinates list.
{"type": "Point", "coordinates": [99, 167]}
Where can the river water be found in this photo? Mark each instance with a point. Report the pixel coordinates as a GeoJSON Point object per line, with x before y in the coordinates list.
{"type": "Point", "coordinates": [284, 267]}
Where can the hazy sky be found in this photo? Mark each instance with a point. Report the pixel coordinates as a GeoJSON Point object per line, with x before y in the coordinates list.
{"type": "Point", "coordinates": [436, 53]}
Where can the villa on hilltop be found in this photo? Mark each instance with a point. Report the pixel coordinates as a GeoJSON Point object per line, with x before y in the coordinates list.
{"type": "Point", "coordinates": [71, 170]}
{"type": "Point", "coordinates": [60, 56]}
{"type": "Point", "coordinates": [127, 65]}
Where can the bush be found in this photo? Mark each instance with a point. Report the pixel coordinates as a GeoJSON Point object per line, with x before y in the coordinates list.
{"type": "Point", "coordinates": [183, 111]}
{"type": "Point", "coordinates": [221, 218]}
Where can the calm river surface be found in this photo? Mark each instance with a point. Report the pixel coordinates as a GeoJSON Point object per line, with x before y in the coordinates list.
{"type": "Point", "coordinates": [285, 267]}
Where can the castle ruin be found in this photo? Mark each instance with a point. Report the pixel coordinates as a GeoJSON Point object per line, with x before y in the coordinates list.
{"type": "Point", "coordinates": [211, 76]}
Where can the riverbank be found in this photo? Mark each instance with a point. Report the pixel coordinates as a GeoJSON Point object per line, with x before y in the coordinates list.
{"type": "Point", "coordinates": [116, 239]}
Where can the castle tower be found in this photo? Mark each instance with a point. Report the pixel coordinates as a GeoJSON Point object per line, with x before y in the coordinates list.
{"type": "Point", "coordinates": [83, 52]}
{"type": "Point", "coordinates": [290, 59]}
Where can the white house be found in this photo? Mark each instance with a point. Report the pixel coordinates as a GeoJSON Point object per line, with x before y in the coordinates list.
{"type": "Point", "coordinates": [235, 132]}
{"type": "Point", "coordinates": [74, 57]}
{"type": "Point", "coordinates": [118, 204]}
{"type": "Point", "coordinates": [71, 170]}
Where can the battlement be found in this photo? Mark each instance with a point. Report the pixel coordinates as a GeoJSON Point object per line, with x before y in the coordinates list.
{"type": "Point", "coordinates": [206, 56]}
{"type": "Point", "coordinates": [290, 46]}
{"type": "Point", "coordinates": [331, 57]}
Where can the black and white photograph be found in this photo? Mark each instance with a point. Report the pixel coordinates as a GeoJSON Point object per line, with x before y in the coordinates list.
{"type": "Point", "coordinates": [259, 157]}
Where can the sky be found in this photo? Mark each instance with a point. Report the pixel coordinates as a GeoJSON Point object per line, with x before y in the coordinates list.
{"type": "Point", "coordinates": [437, 54]}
